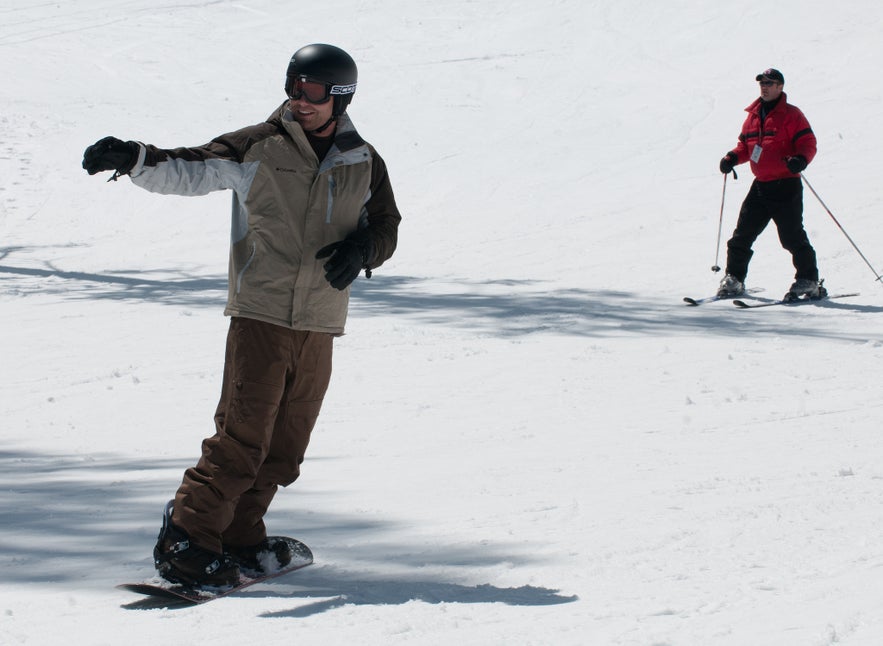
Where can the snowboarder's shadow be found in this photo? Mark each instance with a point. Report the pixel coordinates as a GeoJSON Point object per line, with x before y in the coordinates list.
{"type": "Point", "coordinates": [373, 592]}
{"type": "Point", "coordinates": [157, 603]}
{"type": "Point", "coordinates": [336, 589]}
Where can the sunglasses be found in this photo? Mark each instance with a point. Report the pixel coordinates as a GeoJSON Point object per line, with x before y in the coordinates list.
{"type": "Point", "coordinates": [768, 83]}
{"type": "Point", "coordinates": [313, 91]}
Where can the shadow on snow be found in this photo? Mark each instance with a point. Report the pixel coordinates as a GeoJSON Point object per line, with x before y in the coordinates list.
{"type": "Point", "coordinates": [82, 518]}
{"type": "Point", "coordinates": [508, 308]}
{"type": "Point", "coordinates": [344, 589]}
{"type": "Point", "coordinates": [502, 308]}
{"type": "Point", "coordinates": [176, 289]}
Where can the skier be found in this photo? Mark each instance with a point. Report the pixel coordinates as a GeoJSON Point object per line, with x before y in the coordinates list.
{"type": "Point", "coordinates": [779, 143]}
{"type": "Point", "coordinates": [313, 207]}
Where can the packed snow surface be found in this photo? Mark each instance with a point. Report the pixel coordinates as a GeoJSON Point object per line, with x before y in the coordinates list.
{"type": "Point", "coordinates": [529, 438]}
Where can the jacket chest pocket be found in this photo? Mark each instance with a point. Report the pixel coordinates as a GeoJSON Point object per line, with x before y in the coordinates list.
{"type": "Point", "coordinates": [773, 143]}
{"type": "Point", "coordinates": [346, 193]}
{"type": "Point", "coordinates": [769, 135]}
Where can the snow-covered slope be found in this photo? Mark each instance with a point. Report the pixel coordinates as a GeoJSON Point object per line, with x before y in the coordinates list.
{"type": "Point", "coordinates": [529, 439]}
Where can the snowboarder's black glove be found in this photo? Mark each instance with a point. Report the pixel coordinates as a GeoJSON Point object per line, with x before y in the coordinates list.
{"type": "Point", "coordinates": [728, 162]}
{"type": "Point", "coordinates": [111, 153]}
{"type": "Point", "coordinates": [796, 164]}
{"type": "Point", "coordinates": [348, 257]}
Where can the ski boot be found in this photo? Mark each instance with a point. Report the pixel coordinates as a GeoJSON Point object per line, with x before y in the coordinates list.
{"type": "Point", "coordinates": [813, 290]}
{"type": "Point", "coordinates": [179, 561]}
{"type": "Point", "coordinates": [730, 286]}
{"type": "Point", "coordinates": [268, 556]}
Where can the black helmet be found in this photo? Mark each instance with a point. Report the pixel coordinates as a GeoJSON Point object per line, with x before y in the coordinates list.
{"type": "Point", "coordinates": [325, 64]}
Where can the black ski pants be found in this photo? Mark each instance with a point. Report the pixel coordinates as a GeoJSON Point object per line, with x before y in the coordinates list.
{"type": "Point", "coordinates": [782, 202]}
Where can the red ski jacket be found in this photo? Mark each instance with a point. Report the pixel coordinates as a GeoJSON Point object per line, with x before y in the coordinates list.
{"type": "Point", "coordinates": [784, 133]}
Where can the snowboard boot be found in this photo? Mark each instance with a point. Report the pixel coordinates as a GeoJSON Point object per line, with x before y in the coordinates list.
{"type": "Point", "coordinates": [806, 288]}
{"type": "Point", "coordinates": [730, 286]}
{"type": "Point", "coordinates": [268, 556]}
{"type": "Point", "coordinates": [179, 561]}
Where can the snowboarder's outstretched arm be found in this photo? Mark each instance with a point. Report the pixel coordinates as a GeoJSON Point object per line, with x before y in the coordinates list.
{"type": "Point", "coordinates": [215, 166]}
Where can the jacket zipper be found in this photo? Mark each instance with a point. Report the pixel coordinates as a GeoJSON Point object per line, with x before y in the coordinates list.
{"type": "Point", "coordinates": [245, 267]}
{"type": "Point", "coordinates": [331, 185]}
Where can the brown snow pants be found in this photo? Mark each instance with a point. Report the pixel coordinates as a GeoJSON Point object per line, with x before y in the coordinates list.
{"type": "Point", "coordinates": [274, 382]}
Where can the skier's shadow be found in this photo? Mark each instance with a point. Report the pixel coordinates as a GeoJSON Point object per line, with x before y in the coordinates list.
{"type": "Point", "coordinates": [338, 589]}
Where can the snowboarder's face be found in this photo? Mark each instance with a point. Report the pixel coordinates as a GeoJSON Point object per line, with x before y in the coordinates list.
{"type": "Point", "coordinates": [311, 115]}
{"type": "Point", "coordinates": [770, 90]}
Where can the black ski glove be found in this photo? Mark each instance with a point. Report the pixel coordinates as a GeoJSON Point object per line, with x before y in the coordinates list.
{"type": "Point", "coordinates": [348, 257]}
{"type": "Point", "coordinates": [796, 164]}
{"type": "Point", "coordinates": [728, 162]}
{"type": "Point", "coordinates": [111, 153]}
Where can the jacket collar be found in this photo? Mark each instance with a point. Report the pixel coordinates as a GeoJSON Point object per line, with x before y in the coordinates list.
{"type": "Point", "coordinates": [755, 106]}
{"type": "Point", "coordinates": [348, 146]}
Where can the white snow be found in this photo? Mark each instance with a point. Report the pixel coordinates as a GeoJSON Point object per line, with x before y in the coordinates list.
{"type": "Point", "coordinates": [528, 439]}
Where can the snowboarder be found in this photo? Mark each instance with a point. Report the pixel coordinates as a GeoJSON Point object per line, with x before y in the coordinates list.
{"type": "Point", "coordinates": [779, 143]}
{"type": "Point", "coordinates": [313, 207]}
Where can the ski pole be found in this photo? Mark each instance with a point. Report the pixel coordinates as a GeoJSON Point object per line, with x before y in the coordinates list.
{"type": "Point", "coordinates": [854, 246]}
{"type": "Point", "coordinates": [720, 223]}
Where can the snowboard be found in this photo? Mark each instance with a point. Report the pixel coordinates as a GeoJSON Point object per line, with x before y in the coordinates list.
{"type": "Point", "coordinates": [301, 557]}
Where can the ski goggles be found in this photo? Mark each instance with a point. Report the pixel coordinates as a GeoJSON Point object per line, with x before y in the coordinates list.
{"type": "Point", "coordinates": [313, 91]}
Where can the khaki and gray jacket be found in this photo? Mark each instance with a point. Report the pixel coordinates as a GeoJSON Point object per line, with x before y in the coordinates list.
{"type": "Point", "coordinates": [286, 206]}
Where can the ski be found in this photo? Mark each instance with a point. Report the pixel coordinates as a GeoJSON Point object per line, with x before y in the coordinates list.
{"type": "Point", "coordinates": [700, 301]}
{"type": "Point", "coordinates": [710, 299]}
{"type": "Point", "coordinates": [789, 301]}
